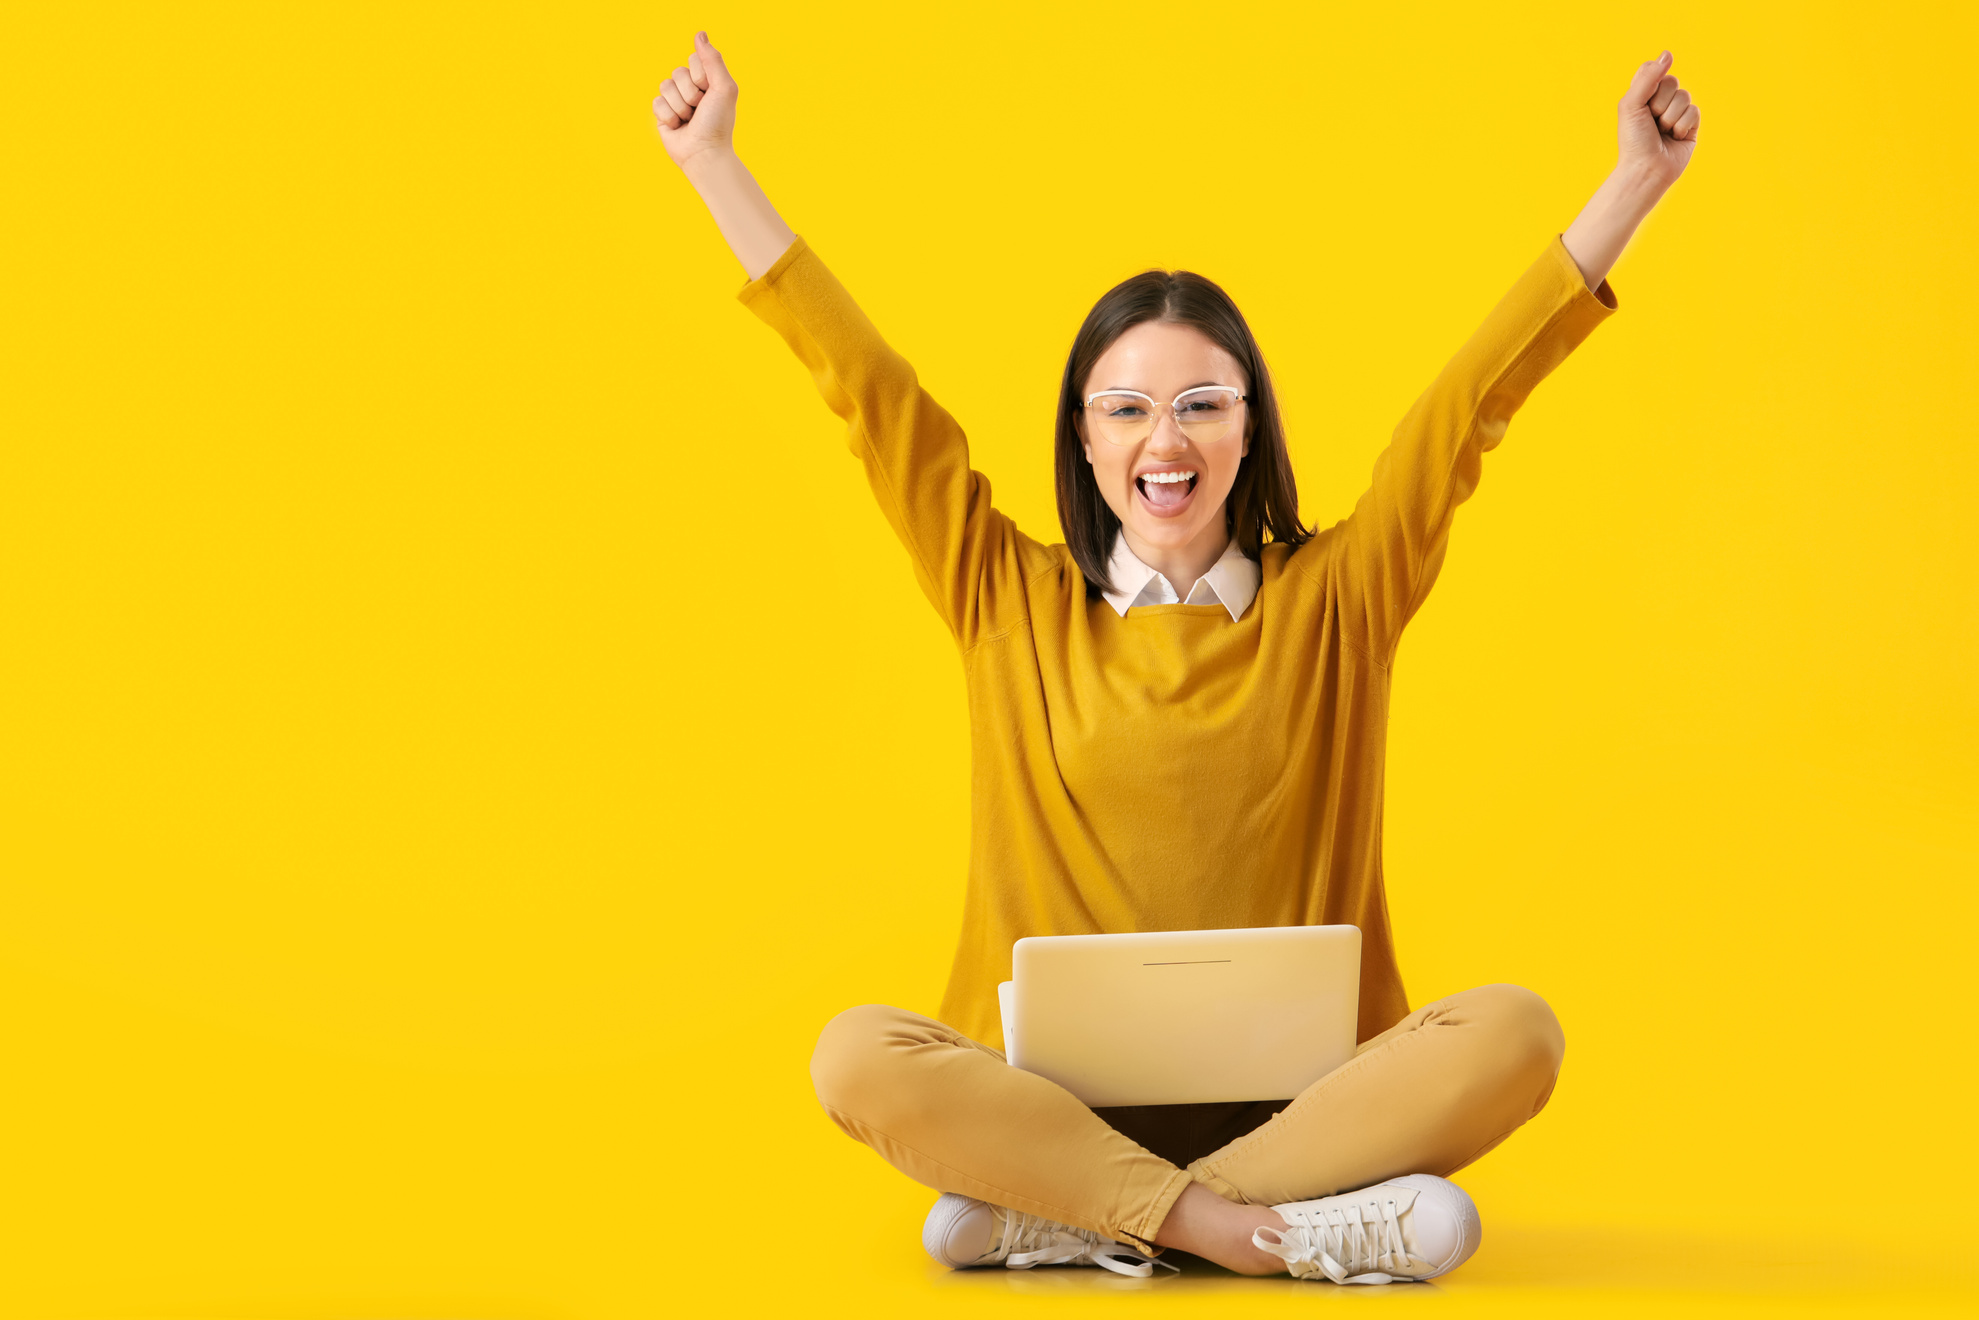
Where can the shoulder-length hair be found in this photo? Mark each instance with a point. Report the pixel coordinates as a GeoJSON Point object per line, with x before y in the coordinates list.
{"type": "Point", "coordinates": [1264, 498]}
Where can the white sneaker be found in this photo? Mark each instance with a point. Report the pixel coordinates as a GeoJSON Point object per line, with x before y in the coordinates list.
{"type": "Point", "coordinates": [1404, 1230]}
{"type": "Point", "coordinates": [962, 1233]}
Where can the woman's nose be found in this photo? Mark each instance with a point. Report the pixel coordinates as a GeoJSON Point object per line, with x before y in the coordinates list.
{"type": "Point", "coordinates": [1167, 437]}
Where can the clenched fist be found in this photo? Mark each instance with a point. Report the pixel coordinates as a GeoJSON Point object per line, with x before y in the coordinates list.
{"type": "Point", "coordinates": [696, 107]}
{"type": "Point", "coordinates": [1658, 123]}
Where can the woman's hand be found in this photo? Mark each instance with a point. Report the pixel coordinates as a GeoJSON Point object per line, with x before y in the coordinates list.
{"type": "Point", "coordinates": [696, 114]}
{"type": "Point", "coordinates": [696, 106]}
{"type": "Point", "coordinates": [1658, 135]}
{"type": "Point", "coordinates": [1658, 124]}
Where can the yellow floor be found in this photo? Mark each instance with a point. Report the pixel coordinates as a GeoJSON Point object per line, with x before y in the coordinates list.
{"type": "Point", "coordinates": [1520, 1271]}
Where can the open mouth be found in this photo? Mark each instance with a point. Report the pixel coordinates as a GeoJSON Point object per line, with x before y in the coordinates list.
{"type": "Point", "coordinates": [1166, 493]}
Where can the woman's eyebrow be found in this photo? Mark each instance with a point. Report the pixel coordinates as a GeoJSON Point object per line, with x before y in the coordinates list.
{"type": "Point", "coordinates": [1129, 389]}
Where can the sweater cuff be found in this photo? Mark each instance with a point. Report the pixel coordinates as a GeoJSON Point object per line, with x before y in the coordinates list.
{"type": "Point", "coordinates": [757, 287]}
{"type": "Point", "coordinates": [1603, 293]}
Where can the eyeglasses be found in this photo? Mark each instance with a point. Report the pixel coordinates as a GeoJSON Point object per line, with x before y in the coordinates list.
{"type": "Point", "coordinates": [1205, 414]}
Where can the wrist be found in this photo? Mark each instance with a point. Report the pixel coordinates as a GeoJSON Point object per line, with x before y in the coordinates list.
{"type": "Point", "coordinates": [1637, 187]}
{"type": "Point", "coordinates": [708, 163]}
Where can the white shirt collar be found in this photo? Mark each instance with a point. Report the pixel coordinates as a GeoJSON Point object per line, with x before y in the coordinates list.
{"type": "Point", "coordinates": [1232, 582]}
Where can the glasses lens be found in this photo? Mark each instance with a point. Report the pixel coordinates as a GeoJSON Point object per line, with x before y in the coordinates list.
{"type": "Point", "coordinates": [1122, 419]}
{"type": "Point", "coordinates": [1207, 415]}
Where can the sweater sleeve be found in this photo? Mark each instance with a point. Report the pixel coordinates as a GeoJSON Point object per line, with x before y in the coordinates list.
{"type": "Point", "coordinates": [1390, 548]}
{"type": "Point", "coordinates": [965, 552]}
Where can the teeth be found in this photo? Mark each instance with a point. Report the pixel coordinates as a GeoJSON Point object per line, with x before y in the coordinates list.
{"type": "Point", "coordinates": [1166, 478]}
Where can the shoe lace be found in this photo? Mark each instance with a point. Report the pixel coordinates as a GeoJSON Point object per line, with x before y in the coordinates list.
{"type": "Point", "coordinates": [1035, 1240]}
{"type": "Point", "coordinates": [1360, 1242]}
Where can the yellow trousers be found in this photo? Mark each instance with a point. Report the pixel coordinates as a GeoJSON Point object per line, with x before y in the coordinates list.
{"type": "Point", "coordinates": [1429, 1095]}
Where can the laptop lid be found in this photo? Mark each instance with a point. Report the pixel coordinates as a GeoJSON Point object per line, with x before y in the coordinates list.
{"type": "Point", "coordinates": [1184, 1017]}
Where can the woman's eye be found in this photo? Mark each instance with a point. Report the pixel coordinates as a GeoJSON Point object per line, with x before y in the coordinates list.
{"type": "Point", "coordinates": [1125, 411]}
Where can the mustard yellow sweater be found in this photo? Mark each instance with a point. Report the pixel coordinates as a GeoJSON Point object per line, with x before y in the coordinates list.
{"type": "Point", "coordinates": [1172, 769]}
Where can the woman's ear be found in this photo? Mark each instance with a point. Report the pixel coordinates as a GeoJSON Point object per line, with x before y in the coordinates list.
{"type": "Point", "coordinates": [1085, 441]}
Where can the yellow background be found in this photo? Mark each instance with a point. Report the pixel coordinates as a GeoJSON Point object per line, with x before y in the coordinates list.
{"type": "Point", "coordinates": [466, 726]}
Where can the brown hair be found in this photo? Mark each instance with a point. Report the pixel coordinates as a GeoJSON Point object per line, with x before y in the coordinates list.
{"type": "Point", "coordinates": [1264, 497]}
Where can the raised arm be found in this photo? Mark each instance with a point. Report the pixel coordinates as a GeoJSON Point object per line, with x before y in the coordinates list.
{"type": "Point", "coordinates": [1658, 134]}
{"type": "Point", "coordinates": [696, 113]}
{"type": "Point", "coordinates": [1389, 551]}
{"type": "Point", "coordinates": [970, 561]}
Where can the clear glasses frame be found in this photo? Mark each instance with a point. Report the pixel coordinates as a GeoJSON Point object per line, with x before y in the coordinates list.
{"type": "Point", "coordinates": [1132, 434]}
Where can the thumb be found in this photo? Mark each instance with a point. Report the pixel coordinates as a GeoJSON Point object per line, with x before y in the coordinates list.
{"type": "Point", "coordinates": [1643, 85]}
{"type": "Point", "coordinates": [711, 63]}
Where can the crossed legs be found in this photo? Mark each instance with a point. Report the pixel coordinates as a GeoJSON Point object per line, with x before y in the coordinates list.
{"type": "Point", "coordinates": [1429, 1095]}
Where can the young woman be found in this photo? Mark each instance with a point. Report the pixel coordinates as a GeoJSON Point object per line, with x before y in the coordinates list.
{"type": "Point", "coordinates": [1179, 719]}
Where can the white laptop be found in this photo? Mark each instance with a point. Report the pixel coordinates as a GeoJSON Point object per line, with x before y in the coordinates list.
{"type": "Point", "coordinates": [1184, 1017]}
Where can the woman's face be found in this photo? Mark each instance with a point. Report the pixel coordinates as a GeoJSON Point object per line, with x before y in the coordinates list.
{"type": "Point", "coordinates": [1161, 359]}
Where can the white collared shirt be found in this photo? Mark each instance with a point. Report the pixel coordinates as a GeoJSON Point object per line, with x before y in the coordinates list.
{"type": "Point", "coordinates": [1231, 582]}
